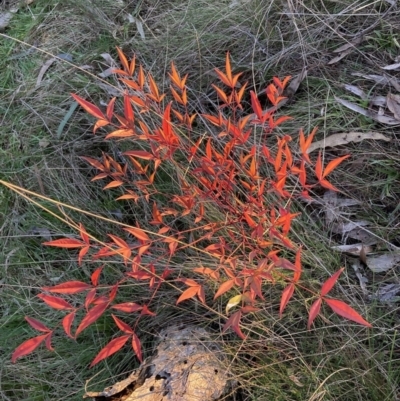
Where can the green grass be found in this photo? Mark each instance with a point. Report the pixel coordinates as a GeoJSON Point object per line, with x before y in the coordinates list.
{"type": "Point", "coordinates": [281, 360]}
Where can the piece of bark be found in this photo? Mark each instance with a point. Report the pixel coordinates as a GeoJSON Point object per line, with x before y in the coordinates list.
{"type": "Point", "coordinates": [187, 366]}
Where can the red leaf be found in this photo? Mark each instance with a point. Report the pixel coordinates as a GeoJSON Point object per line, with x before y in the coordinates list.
{"type": "Point", "coordinates": [27, 347]}
{"type": "Point", "coordinates": [121, 133]}
{"type": "Point", "coordinates": [138, 233]}
{"type": "Point", "coordinates": [147, 311]}
{"type": "Point", "coordinates": [111, 348]}
{"type": "Point", "coordinates": [113, 184]}
{"type": "Point", "coordinates": [305, 144]}
{"type": "Point", "coordinates": [255, 104]}
{"type": "Point", "coordinates": [89, 107]}
{"type": "Point", "coordinates": [84, 234]}
{"type": "Point", "coordinates": [326, 184]}
{"type": "Point", "coordinates": [187, 294]}
{"type": "Point", "coordinates": [99, 124]}
{"type": "Point", "coordinates": [70, 287]}
{"type": "Point", "coordinates": [344, 310]}
{"type": "Point", "coordinates": [314, 310]}
{"type": "Point", "coordinates": [141, 154]}
{"type": "Point", "coordinates": [234, 322]}
{"type": "Point", "coordinates": [286, 295]}
{"type": "Point", "coordinates": [82, 253]}
{"type": "Point", "coordinates": [93, 162]}
{"type": "Point", "coordinates": [221, 93]}
{"type": "Point", "coordinates": [67, 323]}
{"type": "Point", "coordinates": [128, 111]}
{"type": "Point", "coordinates": [327, 286]}
{"type": "Point", "coordinates": [65, 243]}
{"type": "Point", "coordinates": [90, 297]}
{"type": "Point", "coordinates": [137, 347]}
{"type": "Point", "coordinates": [223, 77]}
{"type": "Point", "coordinates": [318, 167]}
{"type": "Point", "coordinates": [166, 123]}
{"type": "Point", "coordinates": [36, 324]}
{"type": "Point", "coordinates": [95, 276]}
{"type": "Point", "coordinates": [122, 325]}
{"type": "Point", "coordinates": [91, 317]}
{"type": "Point", "coordinates": [333, 164]}
{"type": "Point", "coordinates": [201, 294]}
{"type": "Point", "coordinates": [48, 342]}
{"type": "Point", "coordinates": [226, 286]}
{"type": "Point", "coordinates": [123, 60]}
{"type": "Point", "coordinates": [113, 292]}
{"type": "Point", "coordinates": [128, 307]}
{"type": "Point", "coordinates": [297, 273]}
{"type": "Point", "coordinates": [189, 282]}
{"type": "Point", "coordinates": [110, 108]}
{"type": "Point", "coordinates": [55, 302]}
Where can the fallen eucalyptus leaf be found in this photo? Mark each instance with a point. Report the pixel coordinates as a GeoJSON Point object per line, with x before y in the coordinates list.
{"type": "Point", "coordinates": [368, 113]}
{"type": "Point", "coordinates": [108, 59]}
{"type": "Point", "coordinates": [5, 18]}
{"type": "Point", "coordinates": [345, 138]}
{"type": "Point", "coordinates": [106, 73]}
{"type": "Point", "coordinates": [387, 293]}
{"type": "Point", "coordinates": [111, 90]}
{"type": "Point", "coordinates": [353, 249]}
{"type": "Point", "coordinates": [391, 67]}
{"type": "Point", "coordinates": [43, 143]}
{"type": "Point", "coordinates": [376, 100]}
{"type": "Point", "coordinates": [356, 91]}
{"type": "Point", "coordinates": [393, 104]}
{"type": "Point", "coordinates": [382, 263]}
{"type": "Point", "coordinates": [340, 56]}
{"type": "Point", "coordinates": [343, 228]}
{"type": "Point", "coordinates": [362, 279]}
{"type": "Point", "coordinates": [43, 70]}
{"type": "Point", "coordinates": [295, 82]}
{"type": "Point", "coordinates": [349, 45]}
{"type": "Point", "coordinates": [380, 79]}
{"type": "Point", "coordinates": [139, 25]}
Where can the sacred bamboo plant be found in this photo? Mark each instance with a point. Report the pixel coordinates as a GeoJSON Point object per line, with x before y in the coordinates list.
{"type": "Point", "coordinates": [224, 163]}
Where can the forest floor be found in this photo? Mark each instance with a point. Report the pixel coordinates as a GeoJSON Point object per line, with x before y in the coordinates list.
{"type": "Point", "coordinates": [351, 52]}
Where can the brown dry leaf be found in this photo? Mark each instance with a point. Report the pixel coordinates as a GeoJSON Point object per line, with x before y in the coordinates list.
{"type": "Point", "coordinates": [354, 249]}
{"type": "Point", "coordinates": [106, 73]}
{"type": "Point", "coordinates": [295, 82]}
{"type": "Point", "coordinates": [391, 67]}
{"type": "Point", "coordinates": [108, 59]}
{"type": "Point", "coordinates": [380, 79]}
{"type": "Point", "coordinates": [368, 113]}
{"type": "Point", "coordinates": [393, 104]}
{"type": "Point", "coordinates": [356, 91]}
{"type": "Point", "coordinates": [362, 279]}
{"type": "Point", "coordinates": [332, 203]}
{"type": "Point", "coordinates": [5, 18]}
{"type": "Point", "coordinates": [139, 25]}
{"type": "Point", "coordinates": [111, 90]}
{"type": "Point", "coordinates": [340, 56]}
{"type": "Point", "coordinates": [296, 380]}
{"type": "Point", "coordinates": [375, 101]}
{"type": "Point", "coordinates": [345, 138]}
{"type": "Point", "coordinates": [43, 70]}
{"type": "Point", "coordinates": [387, 293]}
{"type": "Point", "coordinates": [382, 263]}
{"type": "Point", "coordinates": [349, 45]}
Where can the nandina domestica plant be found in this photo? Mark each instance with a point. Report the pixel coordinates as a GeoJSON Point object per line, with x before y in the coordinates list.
{"type": "Point", "coordinates": [235, 190]}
